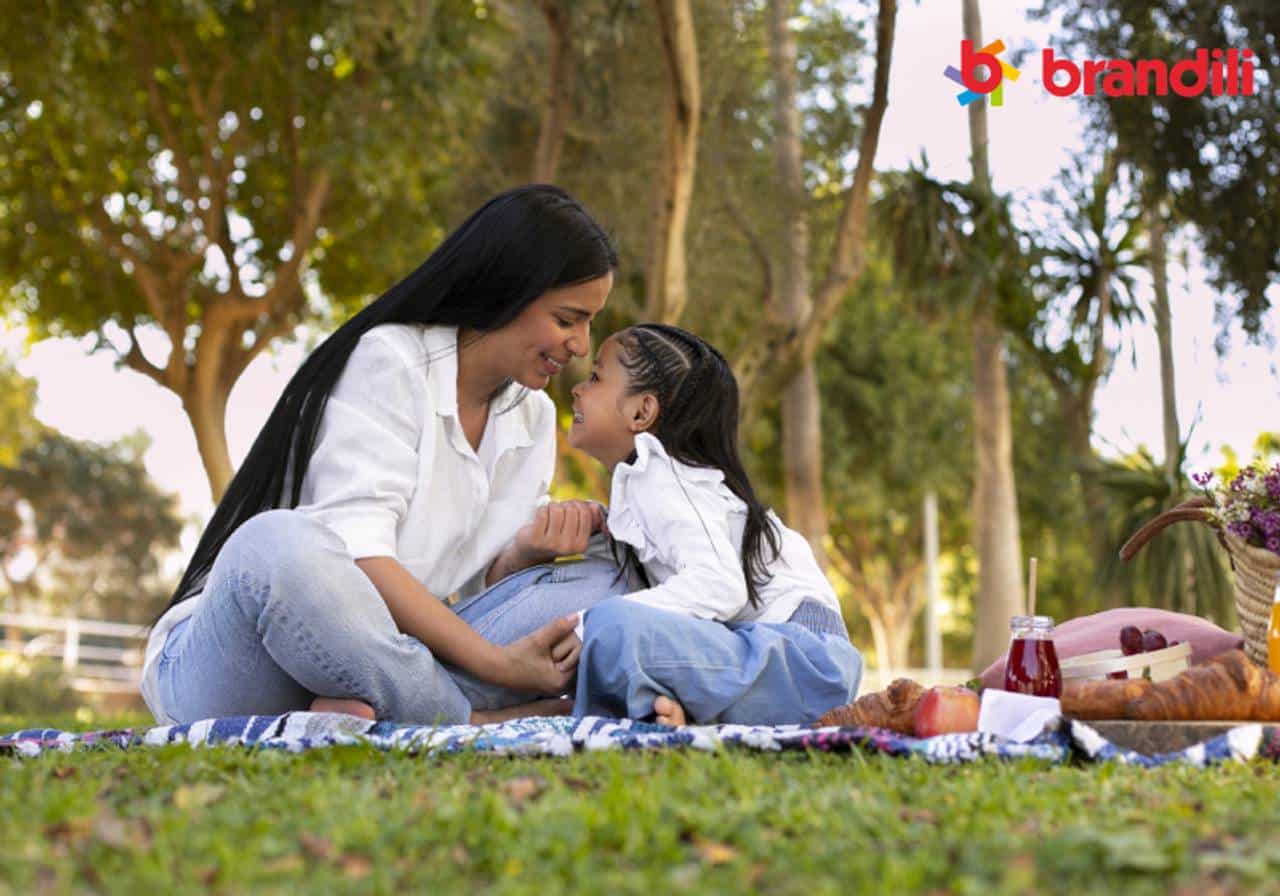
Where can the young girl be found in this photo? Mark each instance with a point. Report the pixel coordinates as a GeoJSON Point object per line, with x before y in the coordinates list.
{"type": "Point", "coordinates": [736, 622]}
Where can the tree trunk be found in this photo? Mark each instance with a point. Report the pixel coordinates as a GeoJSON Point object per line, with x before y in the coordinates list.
{"type": "Point", "coordinates": [899, 637]}
{"type": "Point", "coordinates": [995, 503]}
{"type": "Point", "coordinates": [995, 499]}
{"type": "Point", "coordinates": [802, 459]}
{"type": "Point", "coordinates": [666, 283]}
{"type": "Point", "coordinates": [1164, 335]}
{"type": "Point", "coordinates": [207, 412]}
{"type": "Point", "coordinates": [1159, 235]}
{"type": "Point", "coordinates": [880, 640]}
{"type": "Point", "coordinates": [556, 108]}
{"type": "Point", "coordinates": [801, 405]}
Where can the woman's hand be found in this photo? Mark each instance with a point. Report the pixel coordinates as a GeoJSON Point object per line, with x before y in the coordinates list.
{"type": "Point", "coordinates": [543, 662]}
{"type": "Point", "coordinates": [558, 530]}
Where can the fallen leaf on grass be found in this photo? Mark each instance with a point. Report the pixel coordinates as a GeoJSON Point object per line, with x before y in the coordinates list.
{"type": "Point", "coordinates": [64, 771]}
{"type": "Point", "coordinates": [286, 864]}
{"type": "Point", "coordinates": [460, 855]}
{"type": "Point", "coordinates": [112, 830]}
{"type": "Point", "coordinates": [316, 846]}
{"type": "Point", "coordinates": [714, 853]}
{"type": "Point", "coordinates": [924, 816]}
{"type": "Point", "coordinates": [68, 830]}
{"type": "Point", "coordinates": [356, 866]}
{"type": "Point", "coordinates": [520, 789]}
{"type": "Point", "coordinates": [197, 796]}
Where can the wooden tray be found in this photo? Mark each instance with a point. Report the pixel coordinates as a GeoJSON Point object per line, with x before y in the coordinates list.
{"type": "Point", "coordinates": [1151, 738]}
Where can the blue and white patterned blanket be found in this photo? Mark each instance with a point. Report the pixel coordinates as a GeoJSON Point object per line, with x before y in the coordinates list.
{"type": "Point", "coordinates": [300, 731]}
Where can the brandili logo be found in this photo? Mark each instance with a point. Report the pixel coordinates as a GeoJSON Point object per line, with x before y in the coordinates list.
{"type": "Point", "coordinates": [991, 83]}
{"type": "Point", "coordinates": [1215, 72]}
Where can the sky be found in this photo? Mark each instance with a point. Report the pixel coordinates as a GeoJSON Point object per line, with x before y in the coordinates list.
{"type": "Point", "coordinates": [1032, 136]}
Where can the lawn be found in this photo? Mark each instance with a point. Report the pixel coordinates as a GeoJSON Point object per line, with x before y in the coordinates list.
{"type": "Point", "coordinates": [357, 819]}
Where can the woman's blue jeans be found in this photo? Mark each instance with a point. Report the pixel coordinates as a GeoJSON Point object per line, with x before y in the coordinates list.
{"type": "Point", "coordinates": [287, 615]}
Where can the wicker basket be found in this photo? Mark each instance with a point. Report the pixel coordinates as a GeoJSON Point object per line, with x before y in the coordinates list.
{"type": "Point", "coordinates": [1257, 572]}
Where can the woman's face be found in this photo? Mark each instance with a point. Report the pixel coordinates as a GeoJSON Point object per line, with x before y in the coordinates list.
{"type": "Point", "coordinates": [552, 330]}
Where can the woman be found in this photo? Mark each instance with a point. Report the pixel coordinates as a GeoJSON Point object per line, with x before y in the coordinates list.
{"type": "Point", "coordinates": [412, 453]}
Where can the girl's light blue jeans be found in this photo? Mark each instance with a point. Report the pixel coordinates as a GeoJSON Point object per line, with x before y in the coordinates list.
{"type": "Point", "coordinates": [754, 673]}
{"type": "Point", "coordinates": [287, 615]}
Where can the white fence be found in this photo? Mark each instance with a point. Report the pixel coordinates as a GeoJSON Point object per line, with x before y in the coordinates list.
{"type": "Point", "coordinates": [110, 662]}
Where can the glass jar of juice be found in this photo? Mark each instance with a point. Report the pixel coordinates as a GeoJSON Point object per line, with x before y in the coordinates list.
{"type": "Point", "coordinates": [1032, 664]}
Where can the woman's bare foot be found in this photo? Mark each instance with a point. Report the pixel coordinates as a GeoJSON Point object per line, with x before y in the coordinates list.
{"type": "Point", "coordinates": [351, 707]}
{"type": "Point", "coordinates": [552, 706]}
{"type": "Point", "coordinates": [669, 712]}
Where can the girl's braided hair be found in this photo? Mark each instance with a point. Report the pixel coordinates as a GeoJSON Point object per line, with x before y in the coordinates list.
{"type": "Point", "coordinates": [698, 425]}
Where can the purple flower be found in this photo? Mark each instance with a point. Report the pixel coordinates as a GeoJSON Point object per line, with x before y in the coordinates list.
{"type": "Point", "coordinates": [1241, 530]}
{"type": "Point", "coordinates": [1202, 479]}
{"type": "Point", "coordinates": [1272, 481]}
{"type": "Point", "coordinates": [1273, 543]}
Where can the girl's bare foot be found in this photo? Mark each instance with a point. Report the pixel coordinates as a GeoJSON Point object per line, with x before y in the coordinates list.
{"type": "Point", "coordinates": [351, 707]}
{"type": "Point", "coordinates": [552, 706]}
{"type": "Point", "coordinates": [669, 712]}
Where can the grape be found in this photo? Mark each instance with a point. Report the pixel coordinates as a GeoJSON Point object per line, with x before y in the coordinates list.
{"type": "Point", "coordinates": [1120, 674]}
{"type": "Point", "coordinates": [1174, 643]}
{"type": "Point", "coordinates": [1130, 640]}
{"type": "Point", "coordinates": [1153, 640]}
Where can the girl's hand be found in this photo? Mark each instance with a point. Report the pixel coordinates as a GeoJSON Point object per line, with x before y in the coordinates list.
{"type": "Point", "coordinates": [558, 530]}
{"type": "Point", "coordinates": [567, 651]}
{"type": "Point", "coordinates": [543, 662]}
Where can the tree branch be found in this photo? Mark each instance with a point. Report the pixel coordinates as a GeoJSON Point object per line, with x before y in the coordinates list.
{"type": "Point", "coordinates": [285, 294]}
{"type": "Point", "coordinates": [149, 281]}
{"type": "Point", "coordinates": [555, 111]}
{"type": "Point", "coordinates": [784, 353]}
{"type": "Point", "coordinates": [134, 359]}
{"type": "Point", "coordinates": [186, 176]}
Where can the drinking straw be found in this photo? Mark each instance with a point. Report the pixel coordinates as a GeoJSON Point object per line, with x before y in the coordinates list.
{"type": "Point", "coordinates": [1031, 589]}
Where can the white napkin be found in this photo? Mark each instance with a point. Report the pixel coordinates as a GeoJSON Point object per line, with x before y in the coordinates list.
{"type": "Point", "coordinates": [1018, 717]}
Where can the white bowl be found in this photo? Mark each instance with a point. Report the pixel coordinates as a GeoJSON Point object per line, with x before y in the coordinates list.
{"type": "Point", "coordinates": [1161, 664]}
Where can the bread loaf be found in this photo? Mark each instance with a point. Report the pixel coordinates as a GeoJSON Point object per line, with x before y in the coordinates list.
{"type": "Point", "coordinates": [1105, 699]}
{"type": "Point", "coordinates": [1228, 687]}
{"type": "Point", "coordinates": [892, 708]}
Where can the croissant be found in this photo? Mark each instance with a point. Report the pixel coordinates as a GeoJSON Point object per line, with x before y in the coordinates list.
{"type": "Point", "coordinates": [892, 708]}
{"type": "Point", "coordinates": [1101, 699]}
{"type": "Point", "coordinates": [1228, 687]}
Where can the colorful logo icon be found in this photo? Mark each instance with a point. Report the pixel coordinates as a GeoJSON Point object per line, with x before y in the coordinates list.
{"type": "Point", "coordinates": [992, 83]}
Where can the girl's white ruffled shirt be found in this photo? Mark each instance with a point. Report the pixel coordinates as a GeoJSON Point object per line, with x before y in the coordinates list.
{"type": "Point", "coordinates": [393, 475]}
{"type": "Point", "coordinates": [686, 528]}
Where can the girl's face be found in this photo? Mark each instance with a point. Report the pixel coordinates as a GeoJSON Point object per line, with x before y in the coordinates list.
{"type": "Point", "coordinates": [552, 330]}
{"type": "Point", "coordinates": [605, 418]}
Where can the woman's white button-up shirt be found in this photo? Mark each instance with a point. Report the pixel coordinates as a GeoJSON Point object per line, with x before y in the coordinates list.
{"type": "Point", "coordinates": [392, 472]}
{"type": "Point", "coordinates": [393, 475]}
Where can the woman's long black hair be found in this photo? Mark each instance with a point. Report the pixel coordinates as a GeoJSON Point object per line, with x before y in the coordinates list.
{"type": "Point", "coordinates": [514, 248]}
{"type": "Point", "coordinates": [698, 424]}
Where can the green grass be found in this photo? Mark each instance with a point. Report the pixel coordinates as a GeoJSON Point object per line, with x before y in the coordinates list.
{"type": "Point", "coordinates": [357, 819]}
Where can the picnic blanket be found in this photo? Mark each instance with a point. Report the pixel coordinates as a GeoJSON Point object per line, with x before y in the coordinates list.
{"type": "Point", "coordinates": [562, 736]}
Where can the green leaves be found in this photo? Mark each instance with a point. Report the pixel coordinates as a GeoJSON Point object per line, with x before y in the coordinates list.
{"type": "Point", "coordinates": [98, 526]}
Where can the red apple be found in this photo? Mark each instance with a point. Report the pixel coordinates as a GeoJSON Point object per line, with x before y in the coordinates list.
{"type": "Point", "coordinates": [946, 710]}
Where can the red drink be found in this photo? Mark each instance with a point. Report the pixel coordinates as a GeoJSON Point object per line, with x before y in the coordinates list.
{"type": "Point", "coordinates": [1033, 668]}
